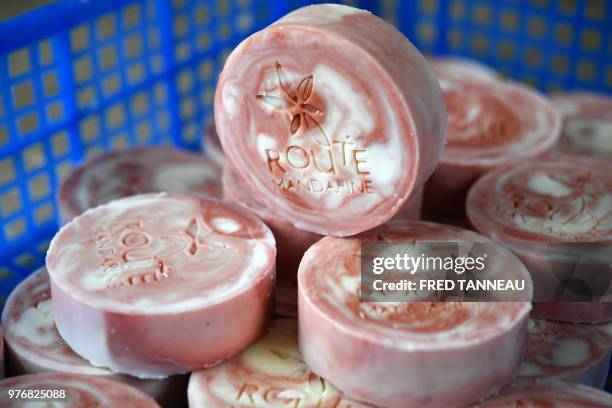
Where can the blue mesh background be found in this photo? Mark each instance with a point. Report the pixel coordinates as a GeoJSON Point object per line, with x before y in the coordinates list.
{"type": "Point", "coordinates": [79, 78]}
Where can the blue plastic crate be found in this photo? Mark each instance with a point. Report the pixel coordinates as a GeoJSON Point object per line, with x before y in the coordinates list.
{"type": "Point", "coordinates": [81, 77]}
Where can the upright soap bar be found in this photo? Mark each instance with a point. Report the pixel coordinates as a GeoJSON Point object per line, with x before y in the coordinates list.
{"type": "Point", "coordinates": [550, 395]}
{"type": "Point", "coordinates": [537, 206]}
{"type": "Point", "coordinates": [571, 352]}
{"type": "Point", "coordinates": [407, 354]}
{"type": "Point", "coordinates": [34, 346]}
{"type": "Point", "coordinates": [587, 124]}
{"type": "Point", "coordinates": [160, 284]}
{"type": "Point", "coordinates": [136, 171]}
{"type": "Point", "coordinates": [270, 373]}
{"type": "Point", "coordinates": [490, 124]}
{"type": "Point", "coordinates": [71, 391]}
{"type": "Point", "coordinates": [332, 117]}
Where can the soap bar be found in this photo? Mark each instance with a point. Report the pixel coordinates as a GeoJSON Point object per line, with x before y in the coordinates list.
{"type": "Point", "coordinates": [270, 373]}
{"type": "Point", "coordinates": [461, 68]}
{"type": "Point", "coordinates": [78, 390]}
{"type": "Point", "coordinates": [135, 171]}
{"type": "Point", "coordinates": [534, 207]}
{"type": "Point", "coordinates": [332, 117]}
{"type": "Point", "coordinates": [35, 347]}
{"type": "Point", "coordinates": [212, 144]}
{"type": "Point", "coordinates": [587, 124]}
{"type": "Point", "coordinates": [490, 124]}
{"type": "Point", "coordinates": [291, 242]}
{"type": "Point", "coordinates": [571, 352]}
{"type": "Point", "coordinates": [405, 354]}
{"type": "Point", "coordinates": [130, 278]}
{"type": "Point", "coordinates": [557, 394]}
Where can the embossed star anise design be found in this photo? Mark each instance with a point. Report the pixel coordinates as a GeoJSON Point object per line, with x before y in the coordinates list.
{"type": "Point", "coordinates": [294, 101]}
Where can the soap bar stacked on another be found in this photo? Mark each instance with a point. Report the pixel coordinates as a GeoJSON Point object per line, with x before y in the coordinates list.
{"type": "Point", "coordinates": [421, 354]}
{"type": "Point", "coordinates": [491, 123]}
{"type": "Point", "coordinates": [331, 117]}
{"type": "Point", "coordinates": [555, 215]}
{"type": "Point", "coordinates": [140, 284]}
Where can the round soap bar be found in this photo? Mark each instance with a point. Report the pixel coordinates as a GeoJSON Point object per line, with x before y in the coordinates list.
{"type": "Point", "coordinates": [570, 352]}
{"type": "Point", "coordinates": [135, 171]}
{"type": "Point", "coordinates": [406, 354]}
{"type": "Point", "coordinates": [587, 124]}
{"type": "Point", "coordinates": [461, 68]}
{"type": "Point", "coordinates": [557, 394]}
{"type": "Point", "coordinates": [490, 124]}
{"type": "Point", "coordinates": [212, 145]}
{"type": "Point", "coordinates": [535, 206]}
{"type": "Point", "coordinates": [270, 373]}
{"type": "Point", "coordinates": [130, 278]}
{"type": "Point", "coordinates": [332, 117]}
{"type": "Point", "coordinates": [291, 242]}
{"type": "Point", "coordinates": [78, 390]}
{"type": "Point", "coordinates": [34, 346]}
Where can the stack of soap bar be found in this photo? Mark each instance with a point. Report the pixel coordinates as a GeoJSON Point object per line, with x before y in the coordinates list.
{"type": "Point", "coordinates": [34, 346]}
{"type": "Point", "coordinates": [135, 171]}
{"type": "Point", "coordinates": [270, 373]}
{"type": "Point", "coordinates": [421, 354]}
{"type": "Point", "coordinates": [160, 284]}
{"type": "Point", "coordinates": [331, 117]}
{"type": "Point", "coordinates": [491, 123]}
{"type": "Point", "coordinates": [587, 124]}
{"type": "Point", "coordinates": [550, 395]}
{"type": "Point", "coordinates": [570, 352]}
{"type": "Point", "coordinates": [534, 207]}
{"type": "Point", "coordinates": [78, 391]}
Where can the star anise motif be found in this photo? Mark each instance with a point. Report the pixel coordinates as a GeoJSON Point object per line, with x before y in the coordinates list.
{"type": "Point", "coordinates": [294, 101]}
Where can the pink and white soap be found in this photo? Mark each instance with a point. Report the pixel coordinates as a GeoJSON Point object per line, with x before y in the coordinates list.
{"type": "Point", "coordinates": [160, 284]}
{"type": "Point", "coordinates": [490, 124]}
{"type": "Point", "coordinates": [270, 373]}
{"type": "Point", "coordinates": [331, 117]}
{"type": "Point", "coordinates": [134, 171]}
{"type": "Point", "coordinates": [578, 353]}
{"type": "Point", "coordinates": [407, 354]}
{"type": "Point", "coordinates": [551, 212]}
{"type": "Point", "coordinates": [34, 345]}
